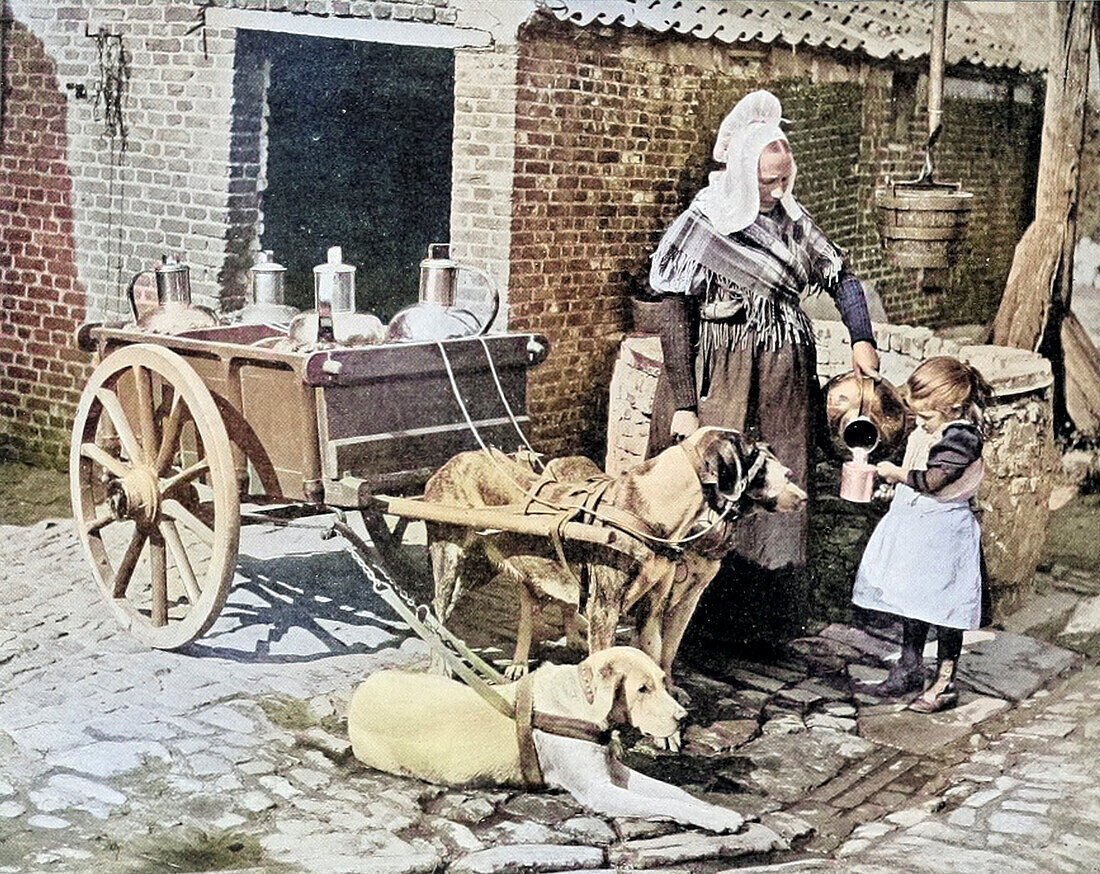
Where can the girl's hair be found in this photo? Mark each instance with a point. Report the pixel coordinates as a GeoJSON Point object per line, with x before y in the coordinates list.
{"type": "Point", "coordinates": [949, 385]}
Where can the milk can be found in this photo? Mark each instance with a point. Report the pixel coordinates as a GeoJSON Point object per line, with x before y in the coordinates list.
{"type": "Point", "coordinates": [267, 290]}
{"type": "Point", "coordinates": [174, 312]}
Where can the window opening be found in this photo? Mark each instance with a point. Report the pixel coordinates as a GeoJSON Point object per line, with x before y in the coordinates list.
{"type": "Point", "coordinates": [359, 141]}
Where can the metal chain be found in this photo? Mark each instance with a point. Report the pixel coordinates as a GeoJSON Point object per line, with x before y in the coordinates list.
{"type": "Point", "coordinates": [478, 674]}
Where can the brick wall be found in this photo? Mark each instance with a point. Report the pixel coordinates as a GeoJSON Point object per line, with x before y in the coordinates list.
{"type": "Point", "coordinates": [88, 202]}
{"type": "Point", "coordinates": [482, 168]}
{"type": "Point", "coordinates": [562, 200]}
{"type": "Point", "coordinates": [614, 130]}
{"type": "Point", "coordinates": [41, 297]}
{"type": "Point", "coordinates": [610, 145]}
{"type": "Point", "coordinates": [988, 146]}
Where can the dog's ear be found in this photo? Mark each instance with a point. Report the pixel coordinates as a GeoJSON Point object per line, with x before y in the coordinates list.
{"type": "Point", "coordinates": [601, 689]}
{"type": "Point", "coordinates": [725, 462]}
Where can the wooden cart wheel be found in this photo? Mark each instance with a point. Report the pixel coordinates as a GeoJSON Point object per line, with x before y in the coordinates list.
{"type": "Point", "coordinates": [155, 494]}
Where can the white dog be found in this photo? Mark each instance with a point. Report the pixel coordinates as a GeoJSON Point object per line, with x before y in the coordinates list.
{"type": "Point", "coordinates": [434, 728]}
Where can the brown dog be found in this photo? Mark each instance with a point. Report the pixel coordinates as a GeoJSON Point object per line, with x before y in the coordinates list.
{"type": "Point", "coordinates": [682, 502]}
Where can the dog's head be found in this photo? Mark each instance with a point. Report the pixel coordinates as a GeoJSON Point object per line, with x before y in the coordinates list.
{"type": "Point", "coordinates": [742, 474]}
{"type": "Point", "coordinates": [623, 685]}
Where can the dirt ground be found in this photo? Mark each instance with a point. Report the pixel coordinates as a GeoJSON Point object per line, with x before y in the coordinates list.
{"type": "Point", "coordinates": [28, 494]}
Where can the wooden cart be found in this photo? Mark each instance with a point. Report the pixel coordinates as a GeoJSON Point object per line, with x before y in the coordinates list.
{"type": "Point", "coordinates": [173, 432]}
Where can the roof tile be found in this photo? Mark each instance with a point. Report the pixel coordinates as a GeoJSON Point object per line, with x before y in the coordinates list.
{"type": "Point", "coordinates": [990, 34]}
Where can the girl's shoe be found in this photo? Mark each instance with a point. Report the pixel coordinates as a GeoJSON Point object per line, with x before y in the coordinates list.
{"type": "Point", "coordinates": [944, 700]}
{"type": "Point", "coordinates": [902, 680]}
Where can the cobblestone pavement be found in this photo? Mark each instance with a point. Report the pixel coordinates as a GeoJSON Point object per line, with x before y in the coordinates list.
{"type": "Point", "coordinates": [231, 755]}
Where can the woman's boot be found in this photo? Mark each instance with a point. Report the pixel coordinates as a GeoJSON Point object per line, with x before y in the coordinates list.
{"type": "Point", "coordinates": [903, 679]}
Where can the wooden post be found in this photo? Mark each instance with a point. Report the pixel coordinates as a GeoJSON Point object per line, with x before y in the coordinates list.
{"type": "Point", "coordinates": [935, 67]}
{"type": "Point", "coordinates": [1040, 267]}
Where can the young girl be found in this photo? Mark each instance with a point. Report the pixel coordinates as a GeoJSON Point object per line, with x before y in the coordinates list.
{"type": "Point", "coordinates": [923, 560]}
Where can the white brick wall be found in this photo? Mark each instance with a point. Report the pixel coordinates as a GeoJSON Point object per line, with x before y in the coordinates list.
{"type": "Point", "coordinates": [166, 192]}
{"type": "Point", "coordinates": [482, 164]}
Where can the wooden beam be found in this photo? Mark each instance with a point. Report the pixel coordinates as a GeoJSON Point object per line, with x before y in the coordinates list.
{"type": "Point", "coordinates": [1041, 273]}
{"type": "Point", "coordinates": [1082, 368]}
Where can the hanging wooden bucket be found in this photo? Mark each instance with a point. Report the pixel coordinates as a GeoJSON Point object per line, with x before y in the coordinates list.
{"type": "Point", "coordinates": [923, 223]}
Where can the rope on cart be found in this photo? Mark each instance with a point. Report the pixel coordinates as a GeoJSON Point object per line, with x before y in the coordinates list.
{"type": "Point", "coordinates": [458, 396]}
{"type": "Point", "coordinates": [504, 400]}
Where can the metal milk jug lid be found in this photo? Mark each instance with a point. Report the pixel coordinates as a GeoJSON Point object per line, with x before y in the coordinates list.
{"type": "Point", "coordinates": [335, 263]}
{"type": "Point", "coordinates": [439, 257]}
{"type": "Point", "coordinates": [170, 264]}
{"type": "Point", "coordinates": [265, 263]}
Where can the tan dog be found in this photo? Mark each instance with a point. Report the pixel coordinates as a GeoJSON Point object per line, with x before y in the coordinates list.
{"type": "Point", "coordinates": [696, 487]}
{"type": "Point", "coordinates": [436, 729]}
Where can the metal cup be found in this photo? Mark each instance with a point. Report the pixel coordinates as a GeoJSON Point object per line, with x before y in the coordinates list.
{"type": "Point", "coordinates": [268, 279]}
{"type": "Point", "coordinates": [334, 284]}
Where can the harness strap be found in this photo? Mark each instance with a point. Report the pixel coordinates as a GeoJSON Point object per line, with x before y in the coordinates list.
{"type": "Point", "coordinates": [565, 726]}
{"type": "Point", "coordinates": [525, 714]}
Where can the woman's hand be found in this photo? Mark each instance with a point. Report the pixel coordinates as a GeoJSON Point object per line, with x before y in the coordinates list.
{"type": "Point", "coordinates": [890, 472]}
{"type": "Point", "coordinates": [865, 359]}
{"type": "Point", "coordinates": [684, 423]}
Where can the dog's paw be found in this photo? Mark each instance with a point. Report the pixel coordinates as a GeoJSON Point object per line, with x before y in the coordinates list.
{"type": "Point", "coordinates": [516, 671]}
{"type": "Point", "coordinates": [672, 743]}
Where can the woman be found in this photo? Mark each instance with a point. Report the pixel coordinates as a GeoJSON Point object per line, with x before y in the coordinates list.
{"type": "Point", "coordinates": [728, 276]}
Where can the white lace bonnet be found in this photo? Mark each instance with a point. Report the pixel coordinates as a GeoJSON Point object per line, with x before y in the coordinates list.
{"type": "Point", "coordinates": [732, 199]}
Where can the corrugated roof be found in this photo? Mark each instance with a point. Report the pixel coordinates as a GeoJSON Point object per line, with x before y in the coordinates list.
{"type": "Point", "coordinates": [990, 34]}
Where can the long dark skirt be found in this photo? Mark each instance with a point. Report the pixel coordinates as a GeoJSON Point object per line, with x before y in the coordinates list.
{"type": "Point", "coordinates": [760, 596]}
{"type": "Point", "coordinates": [773, 396]}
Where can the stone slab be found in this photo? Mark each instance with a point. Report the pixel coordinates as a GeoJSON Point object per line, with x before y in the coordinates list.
{"type": "Point", "coordinates": [786, 766]}
{"type": "Point", "coordinates": [533, 858]}
{"type": "Point", "coordinates": [694, 846]}
{"type": "Point", "coordinates": [920, 733]}
{"type": "Point", "coordinates": [1082, 630]}
{"type": "Point", "coordinates": [1048, 610]}
{"type": "Point", "coordinates": [1012, 666]}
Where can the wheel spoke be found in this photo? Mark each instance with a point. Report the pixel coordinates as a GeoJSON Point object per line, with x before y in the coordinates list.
{"type": "Point", "coordinates": [183, 563]}
{"type": "Point", "coordinates": [144, 391]}
{"type": "Point", "coordinates": [170, 436]}
{"type": "Point", "coordinates": [185, 476]}
{"type": "Point", "coordinates": [100, 521]}
{"type": "Point", "coordinates": [104, 459]}
{"type": "Point", "coordinates": [173, 509]}
{"type": "Point", "coordinates": [113, 407]}
{"type": "Point", "coordinates": [129, 562]}
{"type": "Point", "coordinates": [155, 492]}
{"type": "Point", "coordinates": [159, 566]}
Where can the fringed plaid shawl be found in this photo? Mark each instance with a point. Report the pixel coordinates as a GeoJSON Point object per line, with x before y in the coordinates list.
{"type": "Point", "coordinates": [751, 281]}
